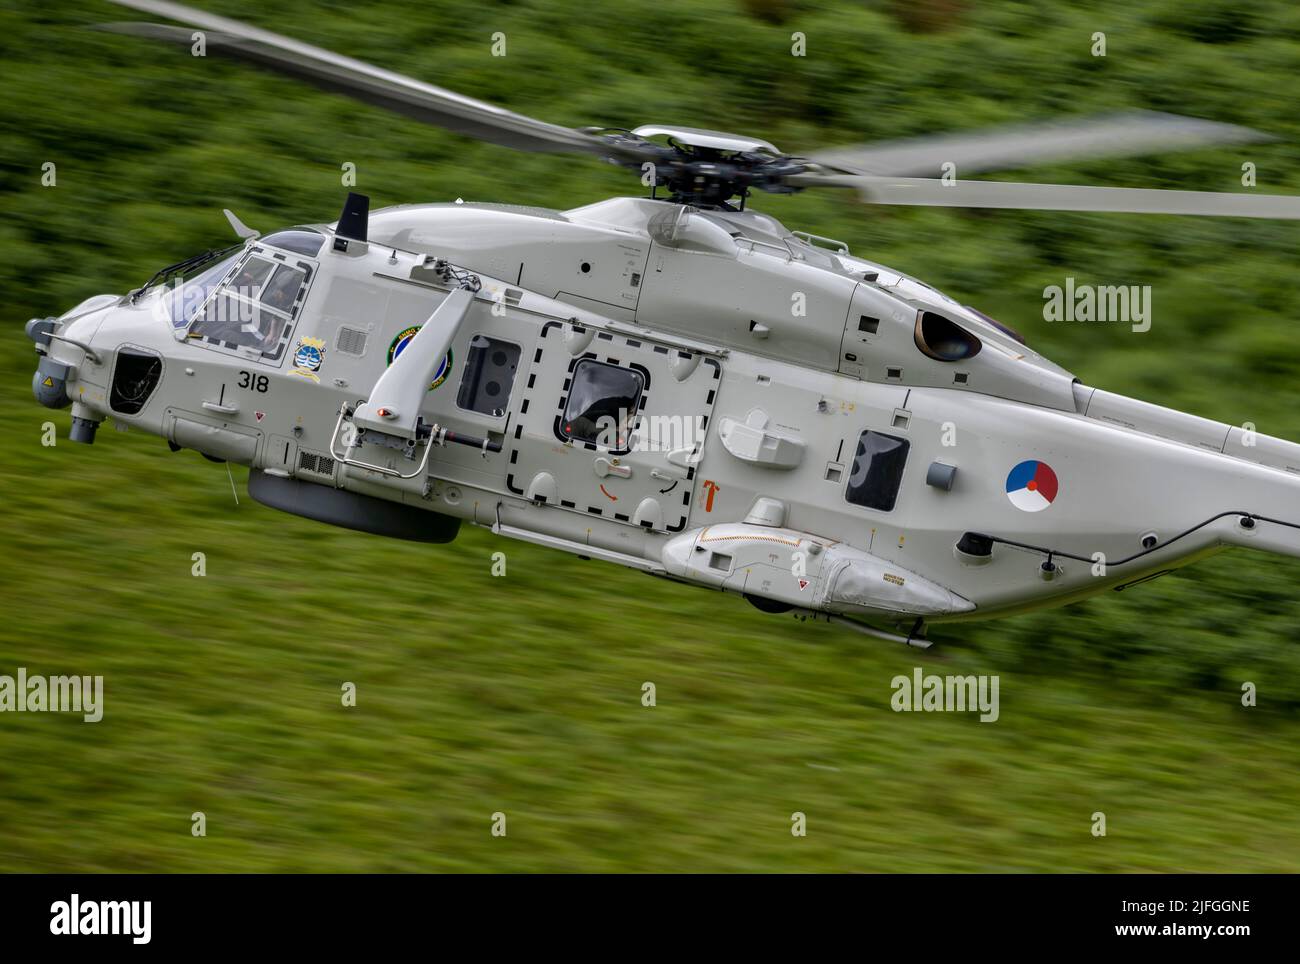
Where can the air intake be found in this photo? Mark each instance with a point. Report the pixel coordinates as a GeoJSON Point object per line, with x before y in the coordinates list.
{"type": "Point", "coordinates": [351, 341]}
{"type": "Point", "coordinates": [315, 464]}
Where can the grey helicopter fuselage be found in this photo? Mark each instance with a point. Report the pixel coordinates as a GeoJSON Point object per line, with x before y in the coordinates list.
{"type": "Point", "coordinates": [781, 419]}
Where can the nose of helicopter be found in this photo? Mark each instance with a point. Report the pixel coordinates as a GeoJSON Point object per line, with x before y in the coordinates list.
{"type": "Point", "coordinates": [67, 355]}
{"type": "Point", "coordinates": [50, 380]}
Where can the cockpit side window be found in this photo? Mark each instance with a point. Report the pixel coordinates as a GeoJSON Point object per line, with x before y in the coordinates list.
{"type": "Point", "coordinates": [282, 290]}
{"type": "Point", "coordinates": [248, 280]}
{"type": "Point", "coordinates": [257, 307]}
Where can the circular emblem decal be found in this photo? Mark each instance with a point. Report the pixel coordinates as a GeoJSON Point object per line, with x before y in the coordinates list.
{"type": "Point", "coordinates": [308, 357]}
{"type": "Point", "coordinates": [1032, 486]}
{"type": "Point", "coordinates": [399, 345]}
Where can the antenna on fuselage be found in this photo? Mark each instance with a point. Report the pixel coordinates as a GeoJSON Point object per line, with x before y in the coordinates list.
{"type": "Point", "coordinates": [355, 217]}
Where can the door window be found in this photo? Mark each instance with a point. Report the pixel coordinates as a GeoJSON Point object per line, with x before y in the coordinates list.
{"type": "Point", "coordinates": [602, 404]}
{"type": "Point", "coordinates": [877, 471]}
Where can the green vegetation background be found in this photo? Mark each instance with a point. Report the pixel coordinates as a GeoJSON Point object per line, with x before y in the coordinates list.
{"type": "Point", "coordinates": [522, 694]}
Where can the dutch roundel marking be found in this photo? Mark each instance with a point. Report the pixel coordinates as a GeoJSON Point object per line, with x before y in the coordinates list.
{"type": "Point", "coordinates": [1032, 486]}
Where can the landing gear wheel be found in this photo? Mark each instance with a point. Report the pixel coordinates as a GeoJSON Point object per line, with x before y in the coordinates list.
{"type": "Point", "coordinates": [768, 605]}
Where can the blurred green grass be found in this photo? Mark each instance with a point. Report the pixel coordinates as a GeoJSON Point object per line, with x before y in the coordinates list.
{"type": "Point", "coordinates": [522, 694]}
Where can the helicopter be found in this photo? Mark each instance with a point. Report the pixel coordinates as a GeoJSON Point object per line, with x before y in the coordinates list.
{"type": "Point", "coordinates": [678, 383]}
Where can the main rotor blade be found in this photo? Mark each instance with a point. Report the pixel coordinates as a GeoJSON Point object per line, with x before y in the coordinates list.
{"type": "Point", "coordinates": [1025, 145]}
{"type": "Point", "coordinates": [363, 81]}
{"type": "Point", "coordinates": [931, 192]}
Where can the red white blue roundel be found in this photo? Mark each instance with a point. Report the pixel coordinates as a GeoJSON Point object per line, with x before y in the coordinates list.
{"type": "Point", "coordinates": [1032, 486]}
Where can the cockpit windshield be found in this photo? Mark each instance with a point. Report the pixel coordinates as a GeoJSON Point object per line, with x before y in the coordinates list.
{"type": "Point", "coordinates": [184, 300]}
